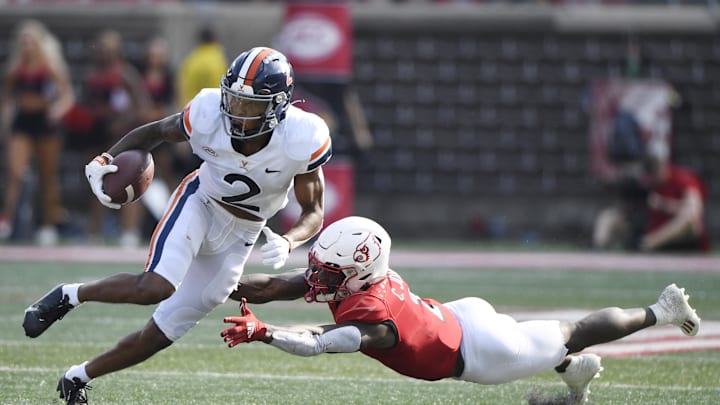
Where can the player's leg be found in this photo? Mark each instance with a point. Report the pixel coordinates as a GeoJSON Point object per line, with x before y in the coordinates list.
{"type": "Point", "coordinates": [605, 325]}
{"type": "Point", "coordinates": [175, 242]}
{"type": "Point", "coordinates": [496, 349]}
{"type": "Point", "coordinates": [200, 292]}
{"type": "Point", "coordinates": [541, 347]}
{"type": "Point", "coordinates": [175, 247]}
{"type": "Point", "coordinates": [132, 349]}
{"type": "Point", "coordinates": [212, 275]}
{"type": "Point", "coordinates": [611, 324]}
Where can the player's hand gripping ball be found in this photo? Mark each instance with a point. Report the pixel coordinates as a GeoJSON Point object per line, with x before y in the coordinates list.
{"type": "Point", "coordinates": [135, 172]}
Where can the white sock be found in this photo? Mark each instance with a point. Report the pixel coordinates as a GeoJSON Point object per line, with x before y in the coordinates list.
{"type": "Point", "coordinates": [71, 290]}
{"type": "Point", "coordinates": [78, 371]}
{"type": "Point", "coordinates": [660, 315]}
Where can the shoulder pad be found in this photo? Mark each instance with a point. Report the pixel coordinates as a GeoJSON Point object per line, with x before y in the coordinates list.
{"type": "Point", "coordinates": [308, 138]}
{"type": "Point", "coordinates": [362, 307]}
{"type": "Point", "coordinates": [202, 113]}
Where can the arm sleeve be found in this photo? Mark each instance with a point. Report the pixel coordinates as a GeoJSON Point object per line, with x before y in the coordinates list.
{"type": "Point", "coordinates": [345, 339]}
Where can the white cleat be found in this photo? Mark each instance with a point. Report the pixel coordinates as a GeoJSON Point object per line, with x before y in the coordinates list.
{"type": "Point", "coordinates": [673, 308]}
{"type": "Point", "coordinates": [578, 375]}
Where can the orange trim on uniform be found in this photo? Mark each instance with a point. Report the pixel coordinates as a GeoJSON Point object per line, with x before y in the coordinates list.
{"type": "Point", "coordinates": [186, 119]}
{"type": "Point", "coordinates": [321, 150]}
{"type": "Point", "coordinates": [250, 76]}
{"type": "Point", "coordinates": [161, 223]}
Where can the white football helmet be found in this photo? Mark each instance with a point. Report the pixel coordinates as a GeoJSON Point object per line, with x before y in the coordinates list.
{"type": "Point", "coordinates": [349, 256]}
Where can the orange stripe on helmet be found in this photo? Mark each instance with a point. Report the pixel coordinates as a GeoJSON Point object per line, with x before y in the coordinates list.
{"type": "Point", "coordinates": [256, 65]}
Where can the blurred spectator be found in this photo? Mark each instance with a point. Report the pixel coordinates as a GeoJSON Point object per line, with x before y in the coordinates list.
{"type": "Point", "coordinates": [623, 222]}
{"type": "Point", "coordinates": [159, 82]}
{"type": "Point", "coordinates": [627, 114]}
{"type": "Point", "coordinates": [36, 94]}
{"type": "Point", "coordinates": [115, 98]}
{"type": "Point", "coordinates": [203, 68]}
{"type": "Point", "coordinates": [676, 204]}
{"type": "Point", "coordinates": [673, 215]}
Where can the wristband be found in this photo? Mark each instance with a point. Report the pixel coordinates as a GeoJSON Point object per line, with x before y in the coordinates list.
{"type": "Point", "coordinates": [290, 243]}
{"type": "Point", "coordinates": [104, 158]}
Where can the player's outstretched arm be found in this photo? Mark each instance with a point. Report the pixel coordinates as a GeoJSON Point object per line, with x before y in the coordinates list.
{"type": "Point", "coordinates": [308, 340]}
{"type": "Point", "coordinates": [260, 288]}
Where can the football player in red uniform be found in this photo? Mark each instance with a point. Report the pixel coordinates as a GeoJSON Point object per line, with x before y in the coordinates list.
{"type": "Point", "coordinates": [376, 313]}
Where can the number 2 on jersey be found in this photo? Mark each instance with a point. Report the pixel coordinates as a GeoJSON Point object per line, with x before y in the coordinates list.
{"type": "Point", "coordinates": [432, 308]}
{"type": "Point", "coordinates": [253, 190]}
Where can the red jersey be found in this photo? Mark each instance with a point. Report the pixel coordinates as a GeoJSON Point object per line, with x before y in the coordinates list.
{"type": "Point", "coordinates": [428, 334]}
{"type": "Point", "coordinates": [36, 80]}
{"type": "Point", "coordinates": [679, 182]}
{"type": "Point", "coordinates": [100, 85]}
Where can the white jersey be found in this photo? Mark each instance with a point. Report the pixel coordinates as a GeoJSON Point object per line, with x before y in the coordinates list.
{"type": "Point", "coordinates": [258, 183]}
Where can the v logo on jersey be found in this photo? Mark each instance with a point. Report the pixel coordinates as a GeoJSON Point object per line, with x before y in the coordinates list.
{"type": "Point", "coordinates": [244, 163]}
{"type": "Point", "coordinates": [250, 329]}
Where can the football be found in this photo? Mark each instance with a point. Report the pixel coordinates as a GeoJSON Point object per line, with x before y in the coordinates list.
{"type": "Point", "coordinates": [136, 169]}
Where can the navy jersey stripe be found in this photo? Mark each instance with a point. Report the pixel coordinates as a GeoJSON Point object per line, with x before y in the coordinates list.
{"type": "Point", "coordinates": [189, 190]}
{"type": "Point", "coordinates": [321, 160]}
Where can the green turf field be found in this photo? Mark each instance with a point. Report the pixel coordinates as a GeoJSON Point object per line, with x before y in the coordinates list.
{"type": "Point", "coordinates": [199, 369]}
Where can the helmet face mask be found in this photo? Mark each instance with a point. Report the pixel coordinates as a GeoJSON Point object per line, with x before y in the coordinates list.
{"type": "Point", "coordinates": [256, 92]}
{"type": "Point", "coordinates": [326, 281]}
{"type": "Point", "coordinates": [349, 256]}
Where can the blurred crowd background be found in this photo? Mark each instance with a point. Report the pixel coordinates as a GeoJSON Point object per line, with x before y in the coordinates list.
{"type": "Point", "coordinates": [530, 122]}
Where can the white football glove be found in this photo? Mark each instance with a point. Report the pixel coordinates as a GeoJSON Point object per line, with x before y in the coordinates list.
{"type": "Point", "coordinates": [276, 250]}
{"type": "Point", "coordinates": [94, 171]}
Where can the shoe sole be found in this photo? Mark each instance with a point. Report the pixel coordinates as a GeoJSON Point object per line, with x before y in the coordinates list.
{"type": "Point", "coordinates": [32, 324]}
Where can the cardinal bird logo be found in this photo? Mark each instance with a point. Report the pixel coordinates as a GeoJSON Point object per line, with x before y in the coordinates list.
{"type": "Point", "coordinates": [368, 250]}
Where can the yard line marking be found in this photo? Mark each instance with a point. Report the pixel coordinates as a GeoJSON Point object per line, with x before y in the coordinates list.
{"type": "Point", "coordinates": [315, 377]}
{"type": "Point", "coordinates": [401, 258]}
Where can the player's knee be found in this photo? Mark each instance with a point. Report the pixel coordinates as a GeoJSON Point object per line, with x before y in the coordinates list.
{"type": "Point", "coordinates": [152, 288]}
{"type": "Point", "coordinates": [213, 300]}
{"type": "Point", "coordinates": [572, 332]}
{"type": "Point", "coordinates": [154, 337]}
{"type": "Point", "coordinates": [148, 340]}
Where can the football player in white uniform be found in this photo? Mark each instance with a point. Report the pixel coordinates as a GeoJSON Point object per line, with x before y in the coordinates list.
{"type": "Point", "coordinates": [255, 145]}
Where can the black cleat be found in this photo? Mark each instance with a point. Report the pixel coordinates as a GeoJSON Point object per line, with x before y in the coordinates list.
{"type": "Point", "coordinates": [73, 391]}
{"type": "Point", "coordinates": [45, 311]}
